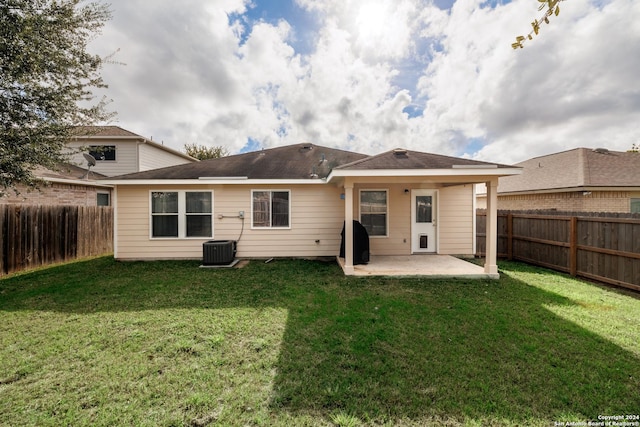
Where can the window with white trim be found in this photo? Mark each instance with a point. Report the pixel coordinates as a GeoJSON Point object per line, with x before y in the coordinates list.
{"type": "Point", "coordinates": [181, 214]}
{"type": "Point", "coordinates": [270, 208]}
{"type": "Point", "coordinates": [374, 212]}
{"type": "Point", "coordinates": [103, 152]}
{"type": "Point", "coordinates": [635, 205]}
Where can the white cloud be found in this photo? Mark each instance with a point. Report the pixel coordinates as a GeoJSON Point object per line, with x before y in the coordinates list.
{"type": "Point", "coordinates": [574, 85]}
{"type": "Point", "coordinates": [202, 73]}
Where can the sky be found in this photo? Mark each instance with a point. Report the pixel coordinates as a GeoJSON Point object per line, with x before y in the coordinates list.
{"type": "Point", "coordinates": [437, 76]}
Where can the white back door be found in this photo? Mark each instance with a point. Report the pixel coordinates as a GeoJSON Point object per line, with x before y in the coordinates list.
{"type": "Point", "coordinates": [423, 221]}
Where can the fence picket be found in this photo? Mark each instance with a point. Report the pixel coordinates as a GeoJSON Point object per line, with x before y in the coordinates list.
{"type": "Point", "coordinates": [33, 235]}
{"type": "Point", "coordinates": [601, 248]}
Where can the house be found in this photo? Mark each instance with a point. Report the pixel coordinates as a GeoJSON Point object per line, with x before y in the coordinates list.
{"type": "Point", "coordinates": [67, 185]}
{"type": "Point", "coordinates": [118, 151]}
{"type": "Point", "coordinates": [292, 201]}
{"type": "Point", "coordinates": [578, 180]}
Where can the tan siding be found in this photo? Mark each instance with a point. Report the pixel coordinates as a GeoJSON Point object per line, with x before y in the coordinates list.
{"type": "Point", "coordinates": [398, 240]}
{"type": "Point", "coordinates": [316, 214]}
{"type": "Point", "coordinates": [126, 157]}
{"type": "Point", "coordinates": [456, 220]}
{"type": "Point", "coordinates": [153, 158]}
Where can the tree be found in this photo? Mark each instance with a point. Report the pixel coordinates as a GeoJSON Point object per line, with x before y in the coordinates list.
{"type": "Point", "coordinates": [46, 82]}
{"type": "Point", "coordinates": [552, 9]}
{"type": "Point", "coordinates": [203, 152]}
{"type": "Point", "coordinates": [635, 148]}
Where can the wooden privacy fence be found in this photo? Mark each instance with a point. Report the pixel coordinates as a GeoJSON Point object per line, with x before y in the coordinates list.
{"type": "Point", "coordinates": [599, 248]}
{"type": "Point", "coordinates": [39, 235]}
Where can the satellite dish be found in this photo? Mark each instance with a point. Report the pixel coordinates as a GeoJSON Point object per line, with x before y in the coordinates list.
{"type": "Point", "coordinates": [91, 161]}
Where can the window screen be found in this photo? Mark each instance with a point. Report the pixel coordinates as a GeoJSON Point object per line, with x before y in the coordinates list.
{"type": "Point", "coordinates": [373, 211]}
{"type": "Point", "coordinates": [270, 209]}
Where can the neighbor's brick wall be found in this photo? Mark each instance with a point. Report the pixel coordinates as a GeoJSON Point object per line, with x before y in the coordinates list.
{"type": "Point", "coordinates": [54, 194]}
{"type": "Point", "coordinates": [597, 201]}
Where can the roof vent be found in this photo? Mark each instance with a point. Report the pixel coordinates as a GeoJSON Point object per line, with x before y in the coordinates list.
{"type": "Point", "coordinates": [601, 150]}
{"type": "Point", "coordinates": [400, 152]}
{"type": "Point", "coordinates": [306, 146]}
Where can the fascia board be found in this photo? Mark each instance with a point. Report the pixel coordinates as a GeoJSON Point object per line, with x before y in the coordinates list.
{"type": "Point", "coordinates": [77, 182]}
{"type": "Point", "coordinates": [213, 181]}
{"type": "Point", "coordinates": [489, 172]}
{"type": "Point", "coordinates": [565, 190]}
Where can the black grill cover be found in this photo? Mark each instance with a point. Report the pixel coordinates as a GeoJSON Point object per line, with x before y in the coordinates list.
{"type": "Point", "coordinates": [360, 244]}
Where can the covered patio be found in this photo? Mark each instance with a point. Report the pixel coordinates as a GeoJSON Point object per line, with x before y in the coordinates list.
{"type": "Point", "coordinates": [419, 212]}
{"type": "Point", "coordinates": [432, 265]}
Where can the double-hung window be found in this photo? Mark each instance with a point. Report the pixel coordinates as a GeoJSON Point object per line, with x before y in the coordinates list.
{"type": "Point", "coordinates": [373, 211]}
{"type": "Point", "coordinates": [270, 209]}
{"type": "Point", "coordinates": [181, 214]}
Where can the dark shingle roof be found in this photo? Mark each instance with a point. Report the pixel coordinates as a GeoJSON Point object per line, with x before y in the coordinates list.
{"type": "Point", "coordinates": [67, 171]}
{"type": "Point", "coordinates": [299, 161]}
{"type": "Point", "coordinates": [405, 159]}
{"type": "Point", "coordinates": [580, 167]}
{"type": "Point", "coordinates": [105, 131]}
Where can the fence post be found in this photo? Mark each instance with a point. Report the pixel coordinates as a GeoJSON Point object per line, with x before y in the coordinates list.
{"type": "Point", "coordinates": [509, 236]}
{"type": "Point", "coordinates": [573, 246]}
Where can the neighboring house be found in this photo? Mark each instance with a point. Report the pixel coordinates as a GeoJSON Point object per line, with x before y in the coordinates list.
{"type": "Point", "coordinates": [118, 151]}
{"type": "Point", "coordinates": [293, 201]}
{"type": "Point", "coordinates": [68, 185]}
{"type": "Point", "coordinates": [578, 180]}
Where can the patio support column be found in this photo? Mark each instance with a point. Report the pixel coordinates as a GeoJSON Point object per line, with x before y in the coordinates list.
{"type": "Point", "coordinates": [490, 263]}
{"type": "Point", "coordinates": [348, 227]}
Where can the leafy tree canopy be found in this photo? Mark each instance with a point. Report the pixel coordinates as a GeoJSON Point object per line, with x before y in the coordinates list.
{"type": "Point", "coordinates": [46, 82]}
{"type": "Point", "coordinates": [203, 152]}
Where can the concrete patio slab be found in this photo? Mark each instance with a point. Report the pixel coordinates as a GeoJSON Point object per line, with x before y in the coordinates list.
{"type": "Point", "coordinates": [432, 266]}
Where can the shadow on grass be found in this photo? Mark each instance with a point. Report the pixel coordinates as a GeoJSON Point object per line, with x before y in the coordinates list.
{"type": "Point", "coordinates": [380, 350]}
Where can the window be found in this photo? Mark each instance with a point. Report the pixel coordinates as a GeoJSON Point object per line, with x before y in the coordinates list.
{"type": "Point", "coordinates": [164, 214]}
{"type": "Point", "coordinates": [103, 199]}
{"type": "Point", "coordinates": [103, 152]}
{"type": "Point", "coordinates": [373, 211]}
{"type": "Point", "coordinates": [181, 214]}
{"type": "Point", "coordinates": [270, 209]}
{"type": "Point", "coordinates": [635, 205]}
{"type": "Point", "coordinates": [198, 213]}
{"type": "Point", "coordinates": [424, 209]}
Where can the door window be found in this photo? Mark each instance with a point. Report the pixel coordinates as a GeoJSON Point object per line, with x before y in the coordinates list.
{"type": "Point", "coordinates": [424, 209]}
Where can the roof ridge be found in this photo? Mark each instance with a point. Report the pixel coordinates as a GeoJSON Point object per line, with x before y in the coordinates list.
{"type": "Point", "coordinates": [553, 154]}
{"type": "Point", "coordinates": [288, 146]}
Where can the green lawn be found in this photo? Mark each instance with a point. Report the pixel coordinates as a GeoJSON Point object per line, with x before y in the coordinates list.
{"type": "Point", "coordinates": [294, 342]}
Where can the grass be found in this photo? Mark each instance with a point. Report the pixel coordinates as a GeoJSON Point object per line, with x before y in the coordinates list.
{"type": "Point", "coordinates": [295, 342]}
